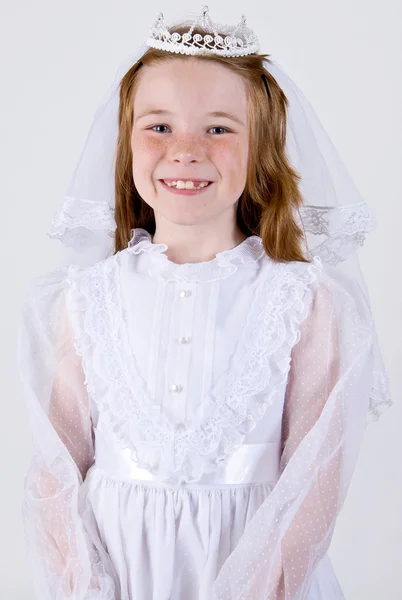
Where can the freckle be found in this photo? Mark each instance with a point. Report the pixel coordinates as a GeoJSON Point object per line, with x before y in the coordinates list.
{"type": "Point", "coordinates": [150, 144]}
{"type": "Point", "coordinates": [221, 144]}
{"type": "Point", "coordinates": [155, 143]}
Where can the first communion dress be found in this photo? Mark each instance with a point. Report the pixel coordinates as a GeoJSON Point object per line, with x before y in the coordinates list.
{"type": "Point", "coordinates": [195, 426]}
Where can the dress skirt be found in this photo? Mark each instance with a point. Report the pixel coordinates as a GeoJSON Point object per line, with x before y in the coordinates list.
{"type": "Point", "coordinates": [169, 543]}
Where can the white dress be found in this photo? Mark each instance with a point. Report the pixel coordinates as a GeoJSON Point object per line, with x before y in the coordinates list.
{"type": "Point", "coordinates": [195, 426]}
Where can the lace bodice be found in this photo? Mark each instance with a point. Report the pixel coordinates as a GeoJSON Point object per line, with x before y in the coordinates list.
{"type": "Point", "coordinates": [171, 428]}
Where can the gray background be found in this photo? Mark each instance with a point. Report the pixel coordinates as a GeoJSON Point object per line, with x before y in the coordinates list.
{"type": "Point", "coordinates": [58, 58]}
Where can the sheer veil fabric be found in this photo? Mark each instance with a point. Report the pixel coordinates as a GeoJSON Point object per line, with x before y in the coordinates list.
{"type": "Point", "coordinates": [336, 379]}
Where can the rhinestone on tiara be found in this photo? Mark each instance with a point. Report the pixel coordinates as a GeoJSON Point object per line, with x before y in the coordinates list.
{"type": "Point", "coordinates": [237, 40]}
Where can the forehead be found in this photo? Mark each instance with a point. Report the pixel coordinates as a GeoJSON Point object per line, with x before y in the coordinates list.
{"type": "Point", "coordinates": [190, 84]}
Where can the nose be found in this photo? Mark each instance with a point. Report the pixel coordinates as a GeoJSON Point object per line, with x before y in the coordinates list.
{"type": "Point", "coordinates": [186, 150]}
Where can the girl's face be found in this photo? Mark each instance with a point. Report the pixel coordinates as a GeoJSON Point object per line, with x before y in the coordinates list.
{"type": "Point", "coordinates": [190, 123]}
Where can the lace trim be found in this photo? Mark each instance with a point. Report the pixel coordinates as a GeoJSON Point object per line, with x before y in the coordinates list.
{"type": "Point", "coordinates": [380, 397]}
{"type": "Point", "coordinates": [81, 213]}
{"type": "Point", "coordinates": [224, 264]}
{"type": "Point", "coordinates": [345, 228]}
{"type": "Point", "coordinates": [338, 247]}
{"type": "Point", "coordinates": [183, 452]}
{"type": "Point", "coordinates": [348, 219]}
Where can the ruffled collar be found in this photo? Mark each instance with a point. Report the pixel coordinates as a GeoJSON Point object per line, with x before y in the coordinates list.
{"type": "Point", "coordinates": [224, 264]}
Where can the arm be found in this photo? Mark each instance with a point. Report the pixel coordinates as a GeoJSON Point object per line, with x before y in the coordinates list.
{"type": "Point", "coordinates": [324, 418]}
{"type": "Point", "coordinates": [314, 372]}
{"type": "Point", "coordinates": [64, 556]}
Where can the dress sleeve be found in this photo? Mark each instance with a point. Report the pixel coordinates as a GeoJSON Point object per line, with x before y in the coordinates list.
{"type": "Point", "coordinates": [324, 418]}
{"type": "Point", "coordinates": [66, 561]}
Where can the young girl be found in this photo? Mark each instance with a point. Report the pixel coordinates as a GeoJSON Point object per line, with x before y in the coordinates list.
{"type": "Point", "coordinates": [199, 393]}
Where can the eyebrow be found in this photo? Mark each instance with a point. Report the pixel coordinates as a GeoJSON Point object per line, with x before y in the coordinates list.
{"type": "Point", "coordinates": [216, 113]}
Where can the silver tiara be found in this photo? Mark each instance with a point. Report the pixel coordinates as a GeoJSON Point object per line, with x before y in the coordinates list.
{"type": "Point", "coordinates": [238, 40]}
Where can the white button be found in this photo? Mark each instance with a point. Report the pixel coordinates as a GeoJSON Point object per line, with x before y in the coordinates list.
{"type": "Point", "coordinates": [175, 388]}
{"type": "Point", "coordinates": [184, 340]}
{"type": "Point", "coordinates": [184, 293]}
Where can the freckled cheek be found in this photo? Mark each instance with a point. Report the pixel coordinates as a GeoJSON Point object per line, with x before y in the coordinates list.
{"type": "Point", "coordinates": [231, 160]}
{"type": "Point", "coordinates": [147, 150]}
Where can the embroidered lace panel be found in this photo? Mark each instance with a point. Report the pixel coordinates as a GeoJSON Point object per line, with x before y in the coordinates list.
{"type": "Point", "coordinates": [260, 364]}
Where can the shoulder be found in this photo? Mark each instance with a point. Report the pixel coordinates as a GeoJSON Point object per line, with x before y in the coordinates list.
{"type": "Point", "coordinates": [54, 286]}
{"type": "Point", "coordinates": [296, 279]}
{"type": "Point", "coordinates": [333, 296]}
{"type": "Point", "coordinates": [45, 289]}
{"type": "Point", "coordinates": [324, 280]}
{"type": "Point", "coordinates": [43, 308]}
{"type": "Point", "coordinates": [80, 275]}
{"type": "Point", "coordinates": [295, 269]}
{"type": "Point", "coordinates": [307, 292]}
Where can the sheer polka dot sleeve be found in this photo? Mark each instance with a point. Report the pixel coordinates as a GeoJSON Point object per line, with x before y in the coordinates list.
{"type": "Point", "coordinates": [66, 561]}
{"type": "Point", "coordinates": [324, 419]}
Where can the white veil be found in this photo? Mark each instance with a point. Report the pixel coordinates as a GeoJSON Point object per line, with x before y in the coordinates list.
{"type": "Point", "coordinates": [334, 216]}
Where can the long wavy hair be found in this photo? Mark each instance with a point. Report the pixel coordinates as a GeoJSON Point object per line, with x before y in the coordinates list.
{"type": "Point", "coordinates": [271, 193]}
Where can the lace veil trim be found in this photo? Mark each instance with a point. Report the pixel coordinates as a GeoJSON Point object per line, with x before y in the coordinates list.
{"type": "Point", "coordinates": [344, 228]}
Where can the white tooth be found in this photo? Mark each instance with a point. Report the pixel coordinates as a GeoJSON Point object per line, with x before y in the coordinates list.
{"type": "Point", "coordinates": [189, 185]}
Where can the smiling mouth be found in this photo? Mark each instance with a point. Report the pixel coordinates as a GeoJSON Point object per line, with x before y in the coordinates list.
{"type": "Point", "coordinates": [186, 184]}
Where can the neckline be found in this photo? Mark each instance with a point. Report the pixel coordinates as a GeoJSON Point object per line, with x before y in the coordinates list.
{"type": "Point", "coordinates": [222, 265]}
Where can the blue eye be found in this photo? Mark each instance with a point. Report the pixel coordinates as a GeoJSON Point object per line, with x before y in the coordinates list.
{"type": "Point", "coordinates": [153, 128]}
{"type": "Point", "coordinates": [223, 129]}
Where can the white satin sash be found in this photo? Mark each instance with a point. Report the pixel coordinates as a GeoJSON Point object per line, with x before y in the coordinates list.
{"type": "Point", "coordinates": [250, 463]}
